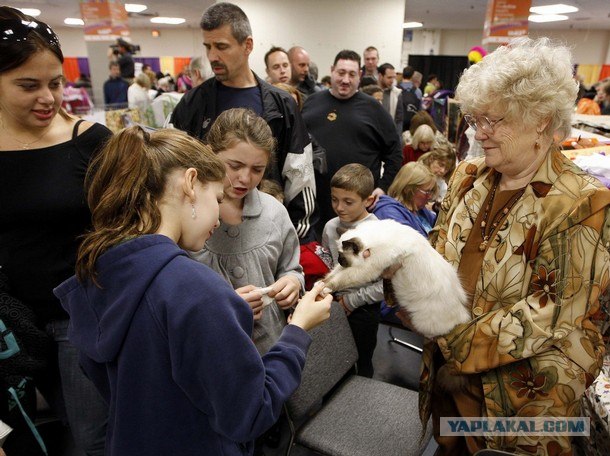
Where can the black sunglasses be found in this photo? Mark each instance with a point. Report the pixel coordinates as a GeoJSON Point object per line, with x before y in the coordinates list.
{"type": "Point", "coordinates": [15, 31]}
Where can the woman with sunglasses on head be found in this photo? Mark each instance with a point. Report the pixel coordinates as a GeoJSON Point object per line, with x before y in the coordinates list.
{"type": "Point", "coordinates": [44, 155]}
{"type": "Point", "coordinates": [528, 233]}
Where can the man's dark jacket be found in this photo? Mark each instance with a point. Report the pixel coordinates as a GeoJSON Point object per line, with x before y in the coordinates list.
{"type": "Point", "coordinates": [196, 112]}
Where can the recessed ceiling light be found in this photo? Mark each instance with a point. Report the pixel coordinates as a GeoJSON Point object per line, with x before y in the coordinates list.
{"type": "Point", "coordinates": [135, 7]}
{"type": "Point", "coordinates": [73, 21]}
{"type": "Point", "coordinates": [412, 25]}
{"type": "Point", "coordinates": [559, 8]}
{"type": "Point", "coordinates": [30, 11]}
{"type": "Point", "coordinates": [547, 18]}
{"type": "Point", "coordinates": [168, 20]}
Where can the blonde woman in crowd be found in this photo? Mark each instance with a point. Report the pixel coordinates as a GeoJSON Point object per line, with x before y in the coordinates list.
{"type": "Point", "coordinates": [441, 161]}
{"type": "Point", "coordinates": [137, 94]}
{"type": "Point", "coordinates": [412, 189]}
{"type": "Point", "coordinates": [421, 142]}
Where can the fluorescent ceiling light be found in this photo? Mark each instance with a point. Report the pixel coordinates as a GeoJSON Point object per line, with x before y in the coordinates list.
{"type": "Point", "coordinates": [559, 8]}
{"type": "Point", "coordinates": [168, 20]}
{"type": "Point", "coordinates": [30, 11]}
{"type": "Point", "coordinates": [412, 25]}
{"type": "Point", "coordinates": [73, 21]}
{"type": "Point", "coordinates": [135, 7]}
{"type": "Point", "coordinates": [547, 18]}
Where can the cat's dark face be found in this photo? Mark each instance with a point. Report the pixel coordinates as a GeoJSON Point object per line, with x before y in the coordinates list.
{"type": "Point", "coordinates": [350, 250]}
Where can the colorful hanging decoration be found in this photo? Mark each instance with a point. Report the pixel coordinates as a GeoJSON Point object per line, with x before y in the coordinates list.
{"type": "Point", "coordinates": [476, 54]}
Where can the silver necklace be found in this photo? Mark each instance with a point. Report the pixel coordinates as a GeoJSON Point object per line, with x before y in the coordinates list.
{"type": "Point", "coordinates": [26, 145]}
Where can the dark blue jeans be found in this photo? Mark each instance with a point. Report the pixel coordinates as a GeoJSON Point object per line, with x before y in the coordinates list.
{"type": "Point", "coordinates": [72, 395]}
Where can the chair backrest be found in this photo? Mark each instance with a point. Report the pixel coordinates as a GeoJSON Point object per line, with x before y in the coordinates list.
{"type": "Point", "coordinates": [331, 355]}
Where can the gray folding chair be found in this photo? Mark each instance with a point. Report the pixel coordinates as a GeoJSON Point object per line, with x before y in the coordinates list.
{"type": "Point", "coordinates": [335, 412]}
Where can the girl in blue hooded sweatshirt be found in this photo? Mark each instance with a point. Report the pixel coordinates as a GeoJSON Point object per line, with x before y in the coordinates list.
{"type": "Point", "coordinates": [164, 338]}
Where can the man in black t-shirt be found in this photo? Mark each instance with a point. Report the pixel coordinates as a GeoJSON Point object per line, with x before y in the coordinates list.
{"type": "Point", "coordinates": [228, 41]}
{"type": "Point", "coordinates": [353, 128]}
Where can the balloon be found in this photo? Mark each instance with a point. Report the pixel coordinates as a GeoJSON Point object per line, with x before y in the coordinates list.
{"type": "Point", "coordinates": [476, 54]}
{"type": "Point", "coordinates": [474, 57]}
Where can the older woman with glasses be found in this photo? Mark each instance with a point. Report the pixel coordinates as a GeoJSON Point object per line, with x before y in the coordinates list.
{"type": "Point", "coordinates": [528, 232]}
{"type": "Point", "coordinates": [44, 155]}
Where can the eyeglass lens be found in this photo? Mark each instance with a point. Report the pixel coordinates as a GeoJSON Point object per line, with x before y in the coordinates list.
{"type": "Point", "coordinates": [481, 122]}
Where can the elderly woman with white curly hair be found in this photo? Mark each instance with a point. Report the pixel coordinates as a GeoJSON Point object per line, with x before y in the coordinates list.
{"type": "Point", "coordinates": [528, 232]}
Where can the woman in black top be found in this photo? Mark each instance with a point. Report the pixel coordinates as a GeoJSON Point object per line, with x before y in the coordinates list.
{"type": "Point", "coordinates": [44, 155]}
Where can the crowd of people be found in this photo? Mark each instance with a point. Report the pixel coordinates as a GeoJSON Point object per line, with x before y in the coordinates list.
{"type": "Point", "coordinates": [141, 90]}
{"type": "Point", "coordinates": [157, 287]}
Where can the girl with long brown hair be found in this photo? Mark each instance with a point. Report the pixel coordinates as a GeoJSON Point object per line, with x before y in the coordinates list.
{"type": "Point", "coordinates": [164, 338]}
{"type": "Point", "coordinates": [256, 245]}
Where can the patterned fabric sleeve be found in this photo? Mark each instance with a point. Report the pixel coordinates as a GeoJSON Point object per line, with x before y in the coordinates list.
{"type": "Point", "coordinates": [568, 273]}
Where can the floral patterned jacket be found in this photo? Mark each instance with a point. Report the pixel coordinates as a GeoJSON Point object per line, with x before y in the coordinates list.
{"type": "Point", "coordinates": [531, 338]}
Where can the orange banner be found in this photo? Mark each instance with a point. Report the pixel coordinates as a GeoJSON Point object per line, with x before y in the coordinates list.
{"type": "Point", "coordinates": [105, 20]}
{"type": "Point", "coordinates": [70, 66]}
{"type": "Point", "coordinates": [505, 19]}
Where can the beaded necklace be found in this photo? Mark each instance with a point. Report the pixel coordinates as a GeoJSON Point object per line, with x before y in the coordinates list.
{"type": "Point", "coordinates": [499, 216]}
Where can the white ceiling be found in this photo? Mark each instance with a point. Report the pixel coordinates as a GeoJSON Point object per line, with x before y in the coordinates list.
{"type": "Point", "coordinates": [435, 14]}
{"type": "Point", "coordinates": [470, 14]}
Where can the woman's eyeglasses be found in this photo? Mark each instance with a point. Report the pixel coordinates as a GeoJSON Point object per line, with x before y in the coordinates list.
{"type": "Point", "coordinates": [482, 122]}
{"type": "Point", "coordinates": [15, 31]}
{"type": "Point", "coordinates": [428, 193]}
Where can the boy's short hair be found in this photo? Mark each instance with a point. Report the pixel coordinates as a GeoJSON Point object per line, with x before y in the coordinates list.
{"type": "Point", "coordinates": [355, 178]}
{"type": "Point", "coordinates": [371, 89]}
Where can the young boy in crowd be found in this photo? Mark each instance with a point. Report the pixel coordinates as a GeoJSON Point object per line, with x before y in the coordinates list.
{"type": "Point", "coordinates": [351, 193]}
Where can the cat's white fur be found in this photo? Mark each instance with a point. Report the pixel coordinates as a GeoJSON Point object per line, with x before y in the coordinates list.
{"type": "Point", "coordinates": [426, 285]}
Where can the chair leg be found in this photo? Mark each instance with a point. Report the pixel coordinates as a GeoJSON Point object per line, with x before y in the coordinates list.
{"type": "Point", "coordinates": [292, 431]}
{"type": "Point", "coordinates": [403, 343]}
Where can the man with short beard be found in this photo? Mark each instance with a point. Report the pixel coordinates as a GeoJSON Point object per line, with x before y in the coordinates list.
{"type": "Point", "coordinates": [392, 96]}
{"type": "Point", "coordinates": [227, 38]}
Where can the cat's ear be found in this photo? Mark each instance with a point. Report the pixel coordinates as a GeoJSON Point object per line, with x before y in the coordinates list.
{"type": "Point", "coordinates": [353, 244]}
